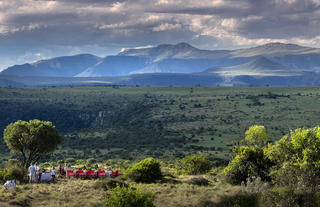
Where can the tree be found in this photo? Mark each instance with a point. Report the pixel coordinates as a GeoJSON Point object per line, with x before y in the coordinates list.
{"type": "Point", "coordinates": [297, 159]}
{"type": "Point", "coordinates": [256, 135]}
{"type": "Point", "coordinates": [31, 140]}
{"type": "Point", "coordinates": [251, 160]}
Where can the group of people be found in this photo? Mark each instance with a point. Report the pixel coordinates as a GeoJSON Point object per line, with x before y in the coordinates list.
{"type": "Point", "coordinates": [35, 173]}
{"type": "Point", "coordinates": [85, 172]}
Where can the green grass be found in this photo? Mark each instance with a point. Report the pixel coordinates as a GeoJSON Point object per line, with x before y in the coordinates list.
{"type": "Point", "coordinates": [164, 122]}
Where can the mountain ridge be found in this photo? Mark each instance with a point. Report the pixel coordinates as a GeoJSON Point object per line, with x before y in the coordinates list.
{"type": "Point", "coordinates": [273, 59]}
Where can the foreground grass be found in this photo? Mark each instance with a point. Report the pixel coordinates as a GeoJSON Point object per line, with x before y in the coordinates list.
{"type": "Point", "coordinates": [61, 193]}
{"type": "Point", "coordinates": [170, 192]}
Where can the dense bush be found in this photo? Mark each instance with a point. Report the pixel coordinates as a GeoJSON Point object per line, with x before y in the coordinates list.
{"type": "Point", "coordinates": [128, 197]}
{"type": "Point", "coordinates": [91, 161]}
{"type": "Point", "coordinates": [70, 161]}
{"type": "Point", "coordinates": [148, 170]}
{"type": "Point", "coordinates": [14, 173]}
{"type": "Point", "coordinates": [193, 165]}
{"type": "Point", "coordinates": [108, 184]}
{"type": "Point", "coordinates": [250, 161]}
{"type": "Point", "coordinates": [285, 196]}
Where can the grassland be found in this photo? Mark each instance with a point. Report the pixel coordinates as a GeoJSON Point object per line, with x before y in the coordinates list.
{"type": "Point", "coordinates": [89, 193]}
{"type": "Point", "coordinates": [165, 122]}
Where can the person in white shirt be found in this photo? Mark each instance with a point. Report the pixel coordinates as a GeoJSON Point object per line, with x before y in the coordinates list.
{"type": "Point", "coordinates": [53, 174]}
{"type": "Point", "coordinates": [32, 173]}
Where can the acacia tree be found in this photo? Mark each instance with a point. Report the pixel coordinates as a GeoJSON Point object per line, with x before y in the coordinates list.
{"type": "Point", "coordinates": [31, 140]}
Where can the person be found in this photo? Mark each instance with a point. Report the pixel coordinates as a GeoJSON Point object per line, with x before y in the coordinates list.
{"type": "Point", "coordinates": [53, 174]}
{"type": "Point", "coordinates": [32, 173]}
{"type": "Point", "coordinates": [66, 168]}
{"type": "Point", "coordinates": [38, 172]}
{"type": "Point", "coordinates": [60, 171]}
{"type": "Point", "coordinates": [10, 184]}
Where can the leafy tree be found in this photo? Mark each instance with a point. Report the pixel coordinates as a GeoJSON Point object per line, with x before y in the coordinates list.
{"type": "Point", "coordinates": [31, 140]}
{"type": "Point", "coordinates": [297, 159]}
{"type": "Point", "coordinates": [251, 160]}
{"type": "Point", "coordinates": [194, 164]}
{"type": "Point", "coordinates": [256, 135]}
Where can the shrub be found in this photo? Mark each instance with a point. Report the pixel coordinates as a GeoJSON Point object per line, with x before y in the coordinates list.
{"type": "Point", "coordinates": [128, 197]}
{"type": "Point", "coordinates": [239, 199]}
{"type": "Point", "coordinates": [70, 161]}
{"type": "Point", "coordinates": [148, 170]}
{"type": "Point", "coordinates": [5, 174]}
{"type": "Point", "coordinates": [198, 181]}
{"type": "Point", "coordinates": [250, 161]}
{"type": "Point", "coordinates": [285, 196]}
{"type": "Point", "coordinates": [15, 172]}
{"type": "Point", "coordinates": [91, 161]}
{"type": "Point", "coordinates": [108, 184]}
{"type": "Point", "coordinates": [194, 164]}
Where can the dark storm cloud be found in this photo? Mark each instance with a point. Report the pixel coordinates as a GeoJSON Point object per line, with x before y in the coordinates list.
{"type": "Point", "coordinates": [76, 25]}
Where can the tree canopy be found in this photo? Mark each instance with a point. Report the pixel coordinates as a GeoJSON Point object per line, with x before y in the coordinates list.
{"type": "Point", "coordinates": [256, 135]}
{"type": "Point", "coordinates": [31, 140]}
{"type": "Point", "coordinates": [297, 159]}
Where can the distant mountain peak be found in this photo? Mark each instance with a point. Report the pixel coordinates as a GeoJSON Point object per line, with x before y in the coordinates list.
{"type": "Point", "coordinates": [283, 46]}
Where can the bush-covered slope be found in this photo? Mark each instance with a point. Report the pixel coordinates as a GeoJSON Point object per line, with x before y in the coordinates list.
{"type": "Point", "coordinates": [131, 122]}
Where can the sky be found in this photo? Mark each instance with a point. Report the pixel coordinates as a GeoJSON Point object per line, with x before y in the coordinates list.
{"type": "Point", "coordinates": [31, 30]}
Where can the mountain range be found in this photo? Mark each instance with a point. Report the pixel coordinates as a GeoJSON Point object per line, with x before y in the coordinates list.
{"type": "Point", "coordinates": [180, 64]}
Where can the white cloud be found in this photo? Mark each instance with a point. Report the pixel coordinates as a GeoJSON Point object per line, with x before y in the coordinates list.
{"type": "Point", "coordinates": [166, 26]}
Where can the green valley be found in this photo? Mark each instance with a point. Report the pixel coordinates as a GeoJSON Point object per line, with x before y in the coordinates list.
{"type": "Point", "coordinates": [120, 122]}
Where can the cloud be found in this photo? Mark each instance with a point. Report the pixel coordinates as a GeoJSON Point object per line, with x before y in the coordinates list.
{"type": "Point", "coordinates": [109, 25]}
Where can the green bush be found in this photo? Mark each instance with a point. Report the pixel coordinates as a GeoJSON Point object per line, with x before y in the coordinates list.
{"type": "Point", "coordinates": [249, 162]}
{"type": "Point", "coordinates": [240, 199]}
{"type": "Point", "coordinates": [70, 161]}
{"type": "Point", "coordinates": [5, 174]}
{"type": "Point", "coordinates": [285, 196]}
{"type": "Point", "coordinates": [148, 170]}
{"type": "Point", "coordinates": [297, 159]}
{"type": "Point", "coordinates": [108, 184]}
{"type": "Point", "coordinates": [13, 171]}
{"type": "Point", "coordinates": [128, 197]}
{"type": "Point", "coordinates": [193, 165]}
{"type": "Point", "coordinates": [91, 161]}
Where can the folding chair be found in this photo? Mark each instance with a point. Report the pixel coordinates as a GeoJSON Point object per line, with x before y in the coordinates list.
{"type": "Point", "coordinates": [115, 174]}
{"type": "Point", "coordinates": [70, 174]}
{"type": "Point", "coordinates": [81, 174]}
{"type": "Point", "coordinates": [91, 174]}
{"type": "Point", "coordinates": [102, 174]}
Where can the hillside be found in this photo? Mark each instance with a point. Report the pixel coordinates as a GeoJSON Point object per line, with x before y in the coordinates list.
{"type": "Point", "coordinates": [259, 66]}
{"type": "Point", "coordinates": [132, 122]}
